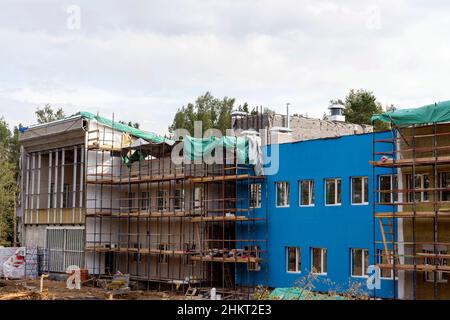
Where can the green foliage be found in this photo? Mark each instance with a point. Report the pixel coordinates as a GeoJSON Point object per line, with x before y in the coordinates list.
{"type": "Point", "coordinates": [47, 114]}
{"type": "Point", "coordinates": [8, 187]}
{"type": "Point", "coordinates": [245, 108]}
{"type": "Point", "coordinates": [360, 106]}
{"type": "Point", "coordinates": [135, 125]}
{"type": "Point", "coordinates": [7, 202]}
{"type": "Point", "coordinates": [261, 293]}
{"type": "Point", "coordinates": [211, 111]}
{"type": "Point", "coordinates": [307, 286]}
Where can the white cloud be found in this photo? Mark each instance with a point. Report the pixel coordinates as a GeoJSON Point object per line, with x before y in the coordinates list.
{"type": "Point", "coordinates": [144, 60]}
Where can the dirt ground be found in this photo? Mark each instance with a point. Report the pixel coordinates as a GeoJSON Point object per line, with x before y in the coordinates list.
{"type": "Point", "coordinates": [56, 290]}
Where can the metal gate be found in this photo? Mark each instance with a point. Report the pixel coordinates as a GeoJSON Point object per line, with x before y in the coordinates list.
{"type": "Point", "coordinates": [64, 248]}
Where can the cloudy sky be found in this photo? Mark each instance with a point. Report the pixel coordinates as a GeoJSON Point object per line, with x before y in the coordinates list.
{"type": "Point", "coordinates": [144, 59]}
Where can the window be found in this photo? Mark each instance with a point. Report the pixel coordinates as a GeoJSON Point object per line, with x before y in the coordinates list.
{"type": "Point", "coordinates": [253, 252]}
{"type": "Point", "coordinates": [136, 256]}
{"type": "Point", "coordinates": [293, 259]}
{"type": "Point", "coordinates": [130, 200]}
{"type": "Point", "coordinates": [421, 181]}
{"type": "Point", "coordinates": [163, 257]}
{"type": "Point", "coordinates": [144, 201]}
{"type": "Point", "coordinates": [283, 194]}
{"type": "Point", "coordinates": [319, 261]}
{"type": "Point", "coordinates": [179, 199]}
{"type": "Point", "coordinates": [198, 197]}
{"type": "Point", "coordinates": [306, 192]}
{"type": "Point", "coordinates": [52, 195]}
{"type": "Point", "coordinates": [382, 258]}
{"type": "Point", "coordinates": [162, 200]}
{"type": "Point", "coordinates": [444, 182]}
{"type": "Point", "coordinates": [359, 262]}
{"type": "Point", "coordinates": [430, 260]}
{"type": "Point", "coordinates": [255, 195]}
{"type": "Point", "coordinates": [360, 190]}
{"type": "Point", "coordinates": [387, 184]}
{"type": "Point", "coordinates": [67, 199]}
{"type": "Point", "coordinates": [333, 191]}
{"type": "Point", "coordinates": [65, 247]}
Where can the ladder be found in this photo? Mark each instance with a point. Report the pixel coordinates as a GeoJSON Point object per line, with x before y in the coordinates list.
{"type": "Point", "coordinates": [388, 236]}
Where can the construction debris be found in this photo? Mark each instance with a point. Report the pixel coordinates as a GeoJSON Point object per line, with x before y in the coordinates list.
{"type": "Point", "coordinates": [56, 290]}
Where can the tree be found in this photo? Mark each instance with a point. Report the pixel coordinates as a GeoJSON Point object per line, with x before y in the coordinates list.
{"type": "Point", "coordinates": [8, 188]}
{"type": "Point", "coordinates": [245, 108]}
{"type": "Point", "coordinates": [360, 106]}
{"type": "Point", "coordinates": [47, 114]}
{"type": "Point", "coordinates": [211, 111]}
{"type": "Point", "coordinates": [7, 200]}
{"type": "Point", "coordinates": [135, 125]}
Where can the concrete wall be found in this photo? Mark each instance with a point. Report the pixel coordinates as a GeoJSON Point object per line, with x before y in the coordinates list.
{"type": "Point", "coordinates": [303, 128]}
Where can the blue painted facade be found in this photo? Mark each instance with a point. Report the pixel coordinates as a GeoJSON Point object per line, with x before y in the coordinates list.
{"type": "Point", "coordinates": [338, 228]}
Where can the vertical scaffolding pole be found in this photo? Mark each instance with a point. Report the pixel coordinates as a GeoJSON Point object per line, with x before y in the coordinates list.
{"type": "Point", "coordinates": [27, 194]}
{"type": "Point", "coordinates": [49, 187]}
{"type": "Point", "coordinates": [63, 166]}
{"type": "Point", "coordinates": [82, 182]}
{"type": "Point", "coordinates": [33, 171]}
{"type": "Point", "coordinates": [55, 187]}
{"type": "Point", "coordinates": [74, 183]}
{"type": "Point", "coordinates": [38, 194]}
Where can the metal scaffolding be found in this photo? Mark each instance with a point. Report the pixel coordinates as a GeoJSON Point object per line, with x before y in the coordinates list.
{"type": "Point", "coordinates": [411, 209]}
{"type": "Point", "coordinates": [172, 227]}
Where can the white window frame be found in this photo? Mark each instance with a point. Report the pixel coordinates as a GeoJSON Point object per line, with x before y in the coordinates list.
{"type": "Point", "coordinates": [380, 254]}
{"type": "Point", "coordinates": [311, 193]}
{"type": "Point", "coordinates": [441, 185]}
{"type": "Point", "coordinates": [144, 201]}
{"type": "Point", "coordinates": [364, 202]}
{"type": "Point", "coordinates": [164, 198]}
{"type": "Point", "coordinates": [197, 197]}
{"type": "Point", "coordinates": [298, 257]}
{"type": "Point", "coordinates": [335, 192]}
{"type": "Point", "coordinates": [321, 273]}
{"type": "Point", "coordinates": [254, 251]}
{"type": "Point", "coordinates": [392, 188]}
{"type": "Point", "coordinates": [179, 198]}
{"type": "Point", "coordinates": [410, 179]}
{"type": "Point", "coordinates": [429, 275]}
{"type": "Point", "coordinates": [258, 194]}
{"type": "Point", "coordinates": [131, 201]}
{"type": "Point", "coordinates": [363, 264]}
{"type": "Point", "coordinates": [288, 194]}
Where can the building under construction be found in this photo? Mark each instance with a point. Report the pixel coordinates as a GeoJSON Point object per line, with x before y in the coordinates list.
{"type": "Point", "coordinates": [112, 198]}
{"type": "Point", "coordinates": [103, 195]}
{"type": "Point", "coordinates": [412, 210]}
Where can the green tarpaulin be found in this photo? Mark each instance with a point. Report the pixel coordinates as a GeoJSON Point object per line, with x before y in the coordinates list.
{"type": "Point", "coordinates": [438, 112]}
{"type": "Point", "coordinates": [127, 129]}
{"type": "Point", "coordinates": [196, 148]}
{"type": "Point", "coordinates": [298, 294]}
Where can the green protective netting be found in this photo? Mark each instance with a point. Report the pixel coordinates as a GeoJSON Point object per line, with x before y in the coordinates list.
{"type": "Point", "coordinates": [196, 148]}
{"type": "Point", "coordinates": [127, 129]}
{"type": "Point", "coordinates": [135, 156]}
{"type": "Point", "coordinates": [300, 294]}
{"type": "Point", "coordinates": [438, 112]}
